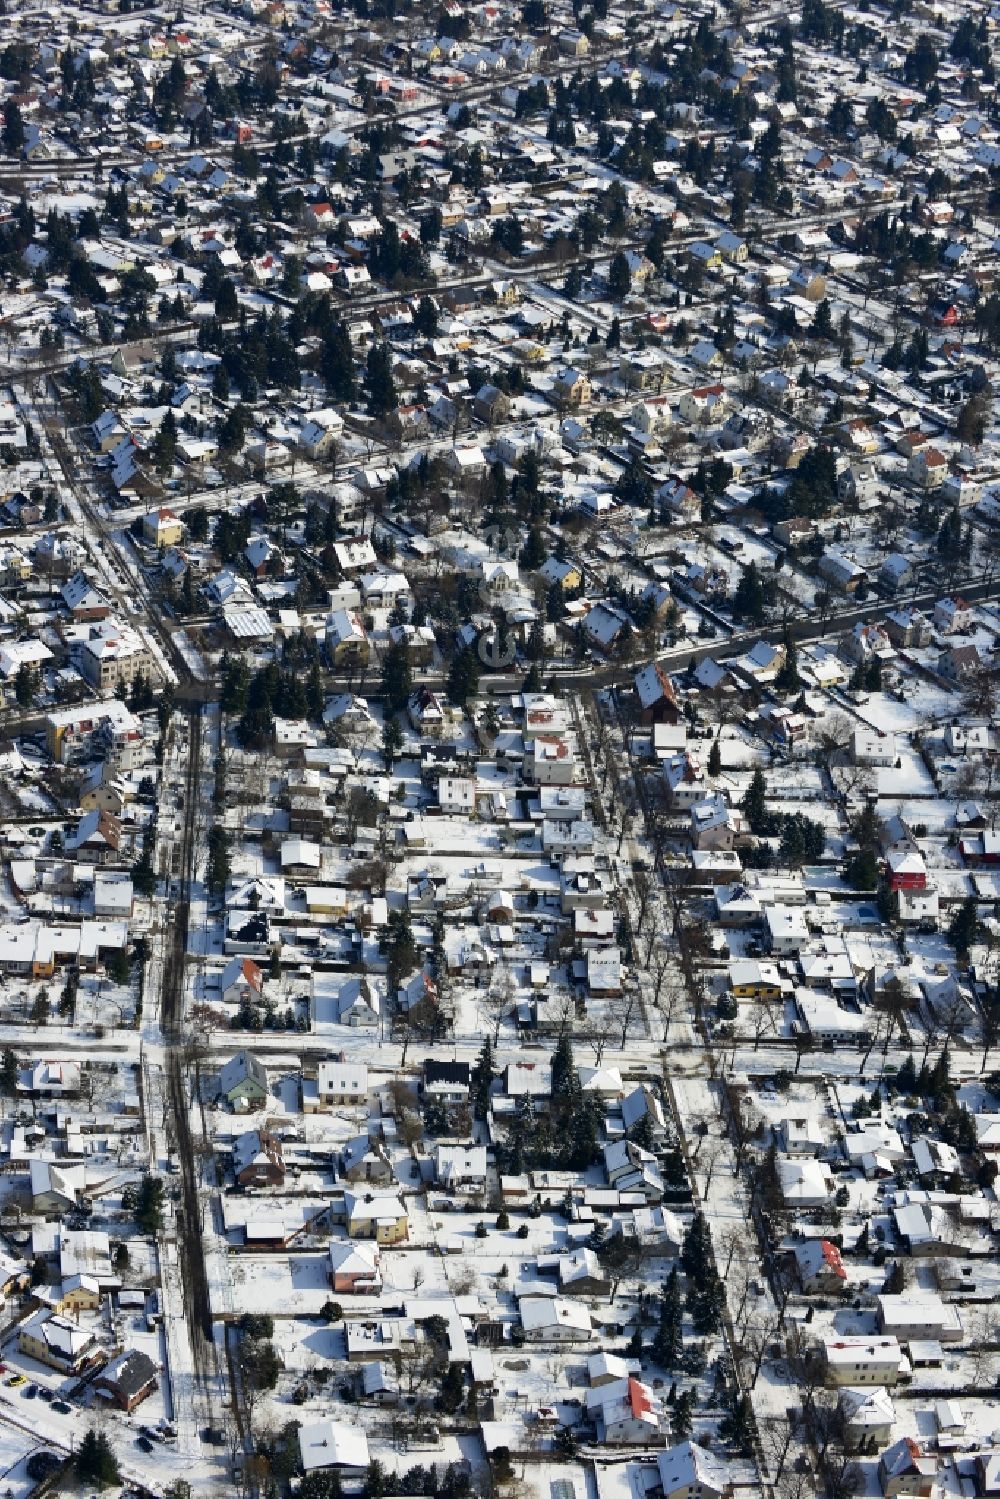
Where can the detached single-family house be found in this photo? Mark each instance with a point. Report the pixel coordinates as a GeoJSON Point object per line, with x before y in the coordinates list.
{"type": "Point", "coordinates": [340, 1082]}
{"type": "Point", "coordinates": [896, 572]}
{"type": "Point", "coordinates": [242, 981]}
{"type": "Point", "coordinates": [960, 663]}
{"type": "Point", "coordinates": [446, 1082]}
{"type": "Point", "coordinates": [690, 1471]}
{"type": "Point", "coordinates": [625, 1411]}
{"type": "Point", "coordinates": [571, 388]}
{"type": "Point", "coordinates": [58, 1342]}
{"type": "Point", "coordinates": [460, 1168]}
{"type": "Point", "coordinates": [608, 627]}
{"type": "Point", "coordinates": [162, 528]}
{"type": "Point", "coordinates": [840, 570]}
{"type": "Point", "coordinates": [919, 1315]}
{"type": "Point", "coordinates": [927, 468]}
{"type": "Point", "coordinates": [127, 1380]}
{"type": "Point", "coordinates": [376, 1215]}
{"type": "Point", "coordinates": [952, 616]}
{"type": "Point", "coordinates": [354, 1268]}
{"type": "Point", "coordinates": [805, 1183]}
{"type": "Point", "coordinates": [333, 1444]}
{"type": "Point", "coordinates": [702, 404]}
{"type": "Point", "coordinates": [656, 695]}
{"type": "Point", "coordinates": [346, 639]}
{"type": "Point", "coordinates": [903, 1469]}
{"type": "Point", "coordinates": [868, 1416]}
{"type": "Point", "coordinates": [243, 1082]}
{"type": "Point", "coordinates": [258, 1160]}
{"type": "Point", "coordinates": [819, 1267]}
{"type": "Point", "coordinates": [857, 1360]}
{"type": "Point", "coordinates": [554, 1319]}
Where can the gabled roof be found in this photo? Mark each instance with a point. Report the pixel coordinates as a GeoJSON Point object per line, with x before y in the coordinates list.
{"type": "Point", "coordinates": [688, 1465]}
{"type": "Point", "coordinates": [242, 970]}
{"type": "Point", "coordinates": [131, 1372]}
{"type": "Point", "coordinates": [905, 1458]}
{"type": "Point", "coordinates": [244, 1065]}
{"type": "Point", "coordinates": [653, 685]}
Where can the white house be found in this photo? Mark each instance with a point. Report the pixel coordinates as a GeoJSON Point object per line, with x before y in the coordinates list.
{"type": "Point", "coordinates": [554, 1319]}
{"type": "Point", "coordinates": [689, 1471]}
{"type": "Point", "coordinates": [805, 1183]}
{"type": "Point", "coordinates": [341, 1082]}
{"type": "Point", "coordinates": [952, 616]}
{"type": "Point", "coordinates": [786, 930]}
{"type": "Point", "coordinates": [625, 1411]}
{"type": "Point", "coordinates": [242, 981]}
{"type": "Point", "coordinates": [333, 1444]}
{"type": "Point", "coordinates": [853, 1360]}
{"type": "Point", "coordinates": [460, 1168]}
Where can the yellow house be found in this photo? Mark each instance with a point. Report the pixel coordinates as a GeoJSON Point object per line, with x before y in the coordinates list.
{"type": "Point", "coordinates": [14, 566]}
{"type": "Point", "coordinates": [346, 640]}
{"type": "Point", "coordinates": [376, 1215]}
{"type": "Point", "coordinates": [571, 388]}
{"type": "Point", "coordinates": [573, 43]}
{"type": "Point", "coordinates": [529, 351]}
{"type": "Point", "coordinates": [58, 1342]}
{"type": "Point", "coordinates": [80, 1293]}
{"type": "Point", "coordinates": [706, 255]}
{"type": "Point", "coordinates": [566, 575]}
{"type": "Point", "coordinates": [162, 528]}
{"type": "Point", "coordinates": [326, 900]}
{"type": "Point", "coordinates": [749, 979]}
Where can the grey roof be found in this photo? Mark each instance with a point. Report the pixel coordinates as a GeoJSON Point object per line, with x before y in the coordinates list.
{"type": "Point", "coordinates": [240, 1067]}
{"type": "Point", "coordinates": [130, 1372]}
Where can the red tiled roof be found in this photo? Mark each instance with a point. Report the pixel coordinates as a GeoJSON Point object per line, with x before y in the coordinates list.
{"type": "Point", "coordinates": [638, 1399]}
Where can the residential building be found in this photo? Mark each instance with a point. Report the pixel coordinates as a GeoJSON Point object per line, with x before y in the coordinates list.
{"type": "Point", "coordinates": [112, 654]}
{"type": "Point", "coordinates": [340, 1082]}
{"type": "Point", "coordinates": [819, 1267]}
{"type": "Point", "coordinates": [903, 1469]}
{"type": "Point", "coordinates": [554, 1319]}
{"type": "Point", "coordinates": [378, 1216]}
{"type": "Point", "coordinates": [335, 1445]}
{"type": "Point", "coordinates": [690, 1471]}
{"type": "Point", "coordinates": [127, 1380]}
{"type": "Point", "coordinates": [354, 1268]}
{"type": "Point", "coordinates": [59, 1342]}
{"type": "Point", "coordinates": [258, 1159]}
{"type": "Point", "coordinates": [162, 528]}
{"type": "Point", "coordinates": [243, 1082]}
{"type": "Point", "coordinates": [241, 982]}
{"type": "Point", "coordinates": [855, 1360]}
{"type": "Point", "coordinates": [625, 1411]}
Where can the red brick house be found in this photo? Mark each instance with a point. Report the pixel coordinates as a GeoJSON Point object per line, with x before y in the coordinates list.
{"type": "Point", "coordinates": [907, 870]}
{"type": "Point", "coordinates": [354, 1268]}
{"type": "Point", "coordinates": [656, 695]}
{"type": "Point", "coordinates": [127, 1379]}
{"type": "Point", "coordinates": [258, 1159]}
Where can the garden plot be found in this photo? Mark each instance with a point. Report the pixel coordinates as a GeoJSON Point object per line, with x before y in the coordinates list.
{"type": "Point", "coordinates": [297, 1283]}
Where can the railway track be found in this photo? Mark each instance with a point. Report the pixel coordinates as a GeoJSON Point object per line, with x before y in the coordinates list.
{"type": "Point", "coordinates": [197, 1302]}
{"type": "Point", "coordinates": [126, 582]}
{"type": "Point", "coordinates": [196, 1296]}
